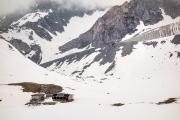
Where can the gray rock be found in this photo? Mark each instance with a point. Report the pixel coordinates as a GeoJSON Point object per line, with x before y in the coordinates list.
{"type": "Point", "coordinates": [26, 49]}
{"type": "Point", "coordinates": [176, 40]}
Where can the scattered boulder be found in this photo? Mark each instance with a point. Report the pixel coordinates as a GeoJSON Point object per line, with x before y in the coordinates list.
{"type": "Point", "coordinates": [168, 101]}
{"type": "Point", "coordinates": [178, 54]}
{"type": "Point", "coordinates": [171, 54]}
{"type": "Point", "coordinates": [162, 42]}
{"type": "Point", "coordinates": [176, 40]}
{"type": "Point", "coordinates": [153, 43]}
{"type": "Point", "coordinates": [110, 67]}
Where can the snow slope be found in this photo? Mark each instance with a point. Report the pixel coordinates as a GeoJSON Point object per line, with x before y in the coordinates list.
{"type": "Point", "coordinates": [139, 82]}
{"type": "Point", "coordinates": [30, 17]}
{"type": "Point", "coordinates": [17, 68]}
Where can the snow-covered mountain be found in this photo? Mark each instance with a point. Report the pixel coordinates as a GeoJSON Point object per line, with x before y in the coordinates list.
{"type": "Point", "coordinates": [46, 24]}
{"type": "Point", "coordinates": [117, 35]}
{"type": "Point", "coordinates": [126, 56]}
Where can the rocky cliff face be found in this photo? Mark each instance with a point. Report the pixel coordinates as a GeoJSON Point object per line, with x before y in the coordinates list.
{"type": "Point", "coordinates": [171, 7]}
{"type": "Point", "coordinates": [122, 20]}
{"type": "Point", "coordinates": [103, 42]}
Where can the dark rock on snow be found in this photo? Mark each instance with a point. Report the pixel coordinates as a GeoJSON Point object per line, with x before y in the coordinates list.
{"type": "Point", "coordinates": [26, 49]}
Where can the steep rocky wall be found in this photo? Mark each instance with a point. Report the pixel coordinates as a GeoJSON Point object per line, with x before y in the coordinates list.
{"type": "Point", "coordinates": [122, 20]}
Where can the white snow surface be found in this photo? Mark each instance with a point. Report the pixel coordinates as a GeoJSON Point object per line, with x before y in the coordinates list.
{"type": "Point", "coordinates": [30, 17]}
{"type": "Point", "coordinates": [138, 81]}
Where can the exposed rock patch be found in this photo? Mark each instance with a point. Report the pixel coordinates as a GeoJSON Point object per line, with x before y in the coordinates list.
{"type": "Point", "coordinates": [171, 54]}
{"type": "Point", "coordinates": [118, 104]}
{"type": "Point", "coordinates": [176, 40]}
{"type": "Point", "coordinates": [127, 48]}
{"type": "Point", "coordinates": [168, 101]}
{"type": "Point", "coordinates": [23, 47]}
{"type": "Point", "coordinates": [39, 88]}
{"type": "Point", "coordinates": [178, 54]}
{"type": "Point", "coordinates": [170, 7]}
{"type": "Point", "coordinates": [163, 42]}
{"type": "Point", "coordinates": [110, 68]}
{"type": "Point", "coordinates": [153, 43]}
{"type": "Point", "coordinates": [33, 52]}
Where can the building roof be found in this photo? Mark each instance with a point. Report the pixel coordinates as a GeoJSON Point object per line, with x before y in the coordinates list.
{"type": "Point", "coordinates": [38, 95]}
{"type": "Point", "coordinates": [61, 94]}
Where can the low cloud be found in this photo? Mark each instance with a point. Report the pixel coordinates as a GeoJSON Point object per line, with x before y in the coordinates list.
{"type": "Point", "coordinates": [95, 3]}
{"type": "Point", "coordinates": [9, 6]}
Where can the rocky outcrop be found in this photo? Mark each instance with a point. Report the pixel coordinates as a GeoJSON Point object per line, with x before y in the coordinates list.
{"type": "Point", "coordinates": [176, 40]}
{"type": "Point", "coordinates": [33, 52]}
{"type": "Point", "coordinates": [54, 22]}
{"type": "Point", "coordinates": [21, 46]}
{"type": "Point", "coordinates": [171, 7]}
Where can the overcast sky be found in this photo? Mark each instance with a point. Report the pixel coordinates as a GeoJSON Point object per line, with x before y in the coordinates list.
{"type": "Point", "coordinates": [8, 6]}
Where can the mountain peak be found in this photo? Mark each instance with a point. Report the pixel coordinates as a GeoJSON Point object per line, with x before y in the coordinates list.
{"type": "Point", "coordinates": [116, 10]}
